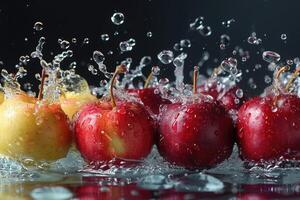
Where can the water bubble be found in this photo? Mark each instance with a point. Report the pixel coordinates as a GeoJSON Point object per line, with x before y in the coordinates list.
{"type": "Point", "coordinates": [146, 60]}
{"type": "Point", "coordinates": [74, 40]}
{"type": "Point", "coordinates": [105, 37]}
{"type": "Point", "coordinates": [271, 56]}
{"type": "Point", "coordinates": [228, 23]}
{"type": "Point", "coordinates": [127, 45]}
{"type": "Point", "coordinates": [166, 56]}
{"type": "Point", "coordinates": [290, 62]}
{"type": "Point", "coordinates": [98, 57]}
{"type": "Point", "coordinates": [155, 70]}
{"type": "Point", "coordinates": [205, 31]}
{"type": "Point", "coordinates": [239, 93]}
{"type": "Point", "coordinates": [149, 34]}
{"type": "Point", "coordinates": [86, 41]}
{"type": "Point", "coordinates": [283, 36]}
{"type": "Point", "coordinates": [186, 43]}
{"type": "Point", "coordinates": [58, 193]}
{"type": "Point", "coordinates": [117, 18]}
{"type": "Point", "coordinates": [92, 69]}
{"type": "Point", "coordinates": [267, 79]}
{"type": "Point", "coordinates": [38, 26]}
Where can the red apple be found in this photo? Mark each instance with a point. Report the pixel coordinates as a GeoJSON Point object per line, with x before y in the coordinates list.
{"type": "Point", "coordinates": [117, 129]}
{"type": "Point", "coordinates": [150, 98]}
{"type": "Point", "coordinates": [267, 131]}
{"type": "Point", "coordinates": [197, 134]}
{"type": "Point", "coordinates": [226, 96]}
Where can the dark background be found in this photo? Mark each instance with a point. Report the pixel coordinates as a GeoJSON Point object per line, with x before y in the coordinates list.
{"type": "Point", "coordinates": [167, 20]}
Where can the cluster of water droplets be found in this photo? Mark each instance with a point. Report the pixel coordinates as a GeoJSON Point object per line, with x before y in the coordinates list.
{"type": "Point", "coordinates": [253, 39]}
{"type": "Point", "coordinates": [127, 45]}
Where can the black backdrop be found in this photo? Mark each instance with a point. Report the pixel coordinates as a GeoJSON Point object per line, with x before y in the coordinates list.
{"type": "Point", "coordinates": [167, 20]}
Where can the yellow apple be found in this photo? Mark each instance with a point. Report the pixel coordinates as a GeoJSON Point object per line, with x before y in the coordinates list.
{"type": "Point", "coordinates": [33, 130]}
{"type": "Point", "coordinates": [71, 102]}
{"type": "Point", "coordinates": [1, 97]}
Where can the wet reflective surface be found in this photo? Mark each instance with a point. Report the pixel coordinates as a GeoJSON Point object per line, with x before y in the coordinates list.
{"type": "Point", "coordinates": [152, 179]}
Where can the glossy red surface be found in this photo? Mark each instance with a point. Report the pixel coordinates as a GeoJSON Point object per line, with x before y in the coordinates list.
{"type": "Point", "coordinates": [267, 132]}
{"type": "Point", "coordinates": [150, 98]}
{"type": "Point", "coordinates": [195, 135]}
{"type": "Point", "coordinates": [103, 133]}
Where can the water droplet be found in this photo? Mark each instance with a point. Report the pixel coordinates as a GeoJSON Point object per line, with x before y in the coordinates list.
{"type": "Point", "coordinates": [38, 26]}
{"type": "Point", "coordinates": [105, 37]}
{"type": "Point", "coordinates": [228, 23]}
{"type": "Point", "coordinates": [64, 44]}
{"type": "Point", "coordinates": [268, 79]}
{"type": "Point", "coordinates": [186, 43]}
{"type": "Point", "coordinates": [179, 60]}
{"type": "Point", "coordinates": [127, 45]}
{"type": "Point", "coordinates": [225, 39]}
{"type": "Point", "coordinates": [98, 57]}
{"type": "Point", "coordinates": [146, 60]}
{"type": "Point", "coordinates": [92, 69]}
{"type": "Point", "coordinates": [222, 46]}
{"type": "Point", "coordinates": [257, 66]}
{"type": "Point", "coordinates": [283, 36]}
{"type": "Point", "coordinates": [252, 39]}
{"type": "Point", "coordinates": [274, 108]}
{"type": "Point", "coordinates": [149, 34]}
{"type": "Point", "coordinates": [197, 23]}
{"type": "Point", "coordinates": [155, 70]}
{"type": "Point", "coordinates": [290, 62]}
{"type": "Point", "coordinates": [239, 93]}
{"type": "Point", "coordinates": [177, 47]}
{"type": "Point", "coordinates": [117, 18]}
{"type": "Point", "coordinates": [166, 56]}
{"type": "Point", "coordinates": [74, 40]}
{"type": "Point", "coordinates": [205, 31]}
{"type": "Point", "coordinates": [86, 41]}
{"type": "Point", "coordinates": [229, 64]}
{"type": "Point", "coordinates": [271, 56]}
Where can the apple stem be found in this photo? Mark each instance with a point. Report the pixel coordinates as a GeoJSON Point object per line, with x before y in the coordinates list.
{"type": "Point", "coordinates": [276, 82]}
{"type": "Point", "coordinates": [149, 78]}
{"type": "Point", "coordinates": [292, 79]}
{"type": "Point", "coordinates": [119, 70]}
{"type": "Point", "coordinates": [280, 71]}
{"type": "Point", "coordinates": [43, 77]}
{"type": "Point", "coordinates": [195, 79]}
